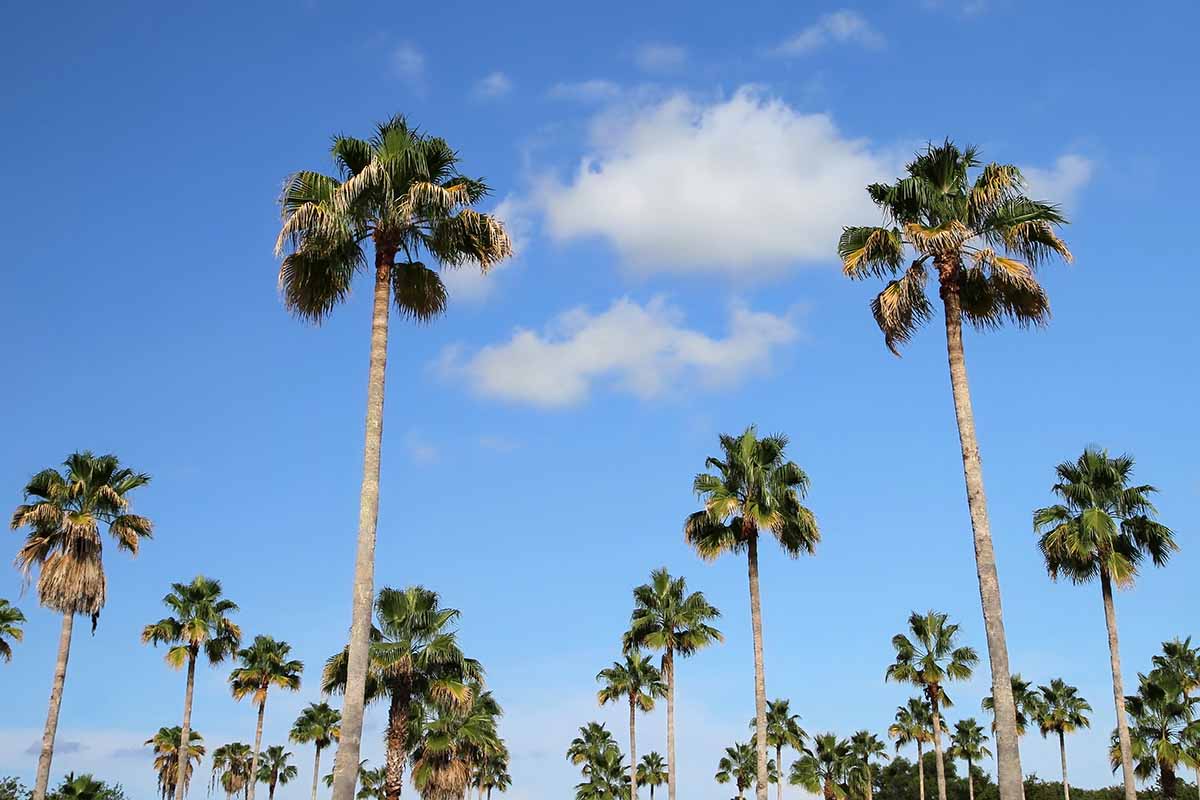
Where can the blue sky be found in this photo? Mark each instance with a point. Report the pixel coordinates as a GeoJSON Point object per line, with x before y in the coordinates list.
{"type": "Point", "coordinates": [676, 178]}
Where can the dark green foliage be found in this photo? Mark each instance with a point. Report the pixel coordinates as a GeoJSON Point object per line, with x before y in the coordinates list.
{"type": "Point", "coordinates": [86, 787]}
{"type": "Point", "coordinates": [12, 789]}
{"type": "Point", "coordinates": [898, 781]}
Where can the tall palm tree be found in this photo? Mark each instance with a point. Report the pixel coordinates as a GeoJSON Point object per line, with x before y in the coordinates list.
{"type": "Point", "coordinates": [403, 191]}
{"type": "Point", "coordinates": [264, 664]}
{"type": "Point", "coordinates": [11, 620]}
{"type": "Point", "coordinates": [415, 658]}
{"type": "Point", "coordinates": [827, 769]}
{"type": "Point", "coordinates": [1181, 662]}
{"type": "Point", "coordinates": [666, 617]}
{"type": "Point", "coordinates": [1062, 711]}
{"type": "Point", "coordinates": [639, 682]}
{"type": "Point", "coordinates": [928, 660]}
{"type": "Point", "coordinates": [1165, 731]}
{"type": "Point", "coordinates": [64, 512]}
{"type": "Point", "coordinates": [321, 724]}
{"type": "Point", "coordinates": [231, 768]}
{"type": "Point", "coordinates": [739, 766]}
{"type": "Point", "coordinates": [200, 622]}
{"type": "Point", "coordinates": [969, 743]}
{"type": "Point", "coordinates": [984, 238]}
{"type": "Point", "coordinates": [275, 769]}
{"type": "Point", "coordinates": [783, 730]}
{"type": "Point", "coordinates": [752, 489]}
{"type": "Point", "coordinates": [867, 748]}
{"type": "Point", "coordinates": [1104, 527]}
{"type": "Point", "coordinates": [167, 761]}
{"type": "Point", "coordinates": [914, 725]}
{"type": "Point", "coordinates": [1026, 701]}
{"type": "Point", "coordinates": [652, 771]}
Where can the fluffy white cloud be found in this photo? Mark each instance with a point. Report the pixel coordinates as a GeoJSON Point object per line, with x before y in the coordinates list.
{"type": "Point", "coordinates": [408, 63]}
{"type": "Point", "coordinates": [495, 84]}
{"type": "Point", "coordinates": [587, 91]}
{"type": "Point", "coordinates": [743, 185]}
{"type": "Point", "coordinates": [660, 57]}
{"type": "Point", "coordinates": [839, 27]}
{"type": "Point", "coordinates": [469, 283]}
{"type": "Point", "coordinates": [1060, 183]}
{"type": "Point", "coordinates": [642, 349]}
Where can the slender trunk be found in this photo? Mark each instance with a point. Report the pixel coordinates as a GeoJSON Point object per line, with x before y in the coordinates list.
{"type": "Point", "coordinates": [1198, 782]}
{"type": "Point", "coordinates": [1114, 657]}
{"type": "Point", "coordinates": [316, 772]}
{"type": "Point", "coordinates": [760, 687]}
{"type": "Point", "coordinates": [652, 791]}
{"type": "Point", "coordinates": [937, 746]}
{"type": "Point", "coordinates": [252, 780]}
{"type": "Point", "coordinates": [1008, 756]}
{"type": "Point", "coordinates": [669, 669]}
{"type": "Point", "coordinates": [970, 782]}
{"type": "Point", "coordinates": [345, 765]}
{"type": "Point", "coordinates": [185, 729]}
{"type": "Point", "coordinates": [56, 692]}
{"type": "Point", "coordinates": [920, 771]}
{"type": "Point", "coordinates": [779, 766]}
{"type": "Point", "coordinates": [271, 790]}
{"type": "Point", "coordinates": [870, 784]}
{"type": "Point", "coordinates": [1062, 754]}
{"type": "Point", "coordinates": [1166, 780]}
{"type": "Point", "coordinates": [397, 745]}
{"type": "Point", "coordinates": [632, 746]}
{"type": "Point", "coordinates": [829, 793]}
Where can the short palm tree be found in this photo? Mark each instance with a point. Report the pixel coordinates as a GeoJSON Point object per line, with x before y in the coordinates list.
{"type": "Point", "coordinates": [167, 761]}
{"type": "Point", "coordinates": [11, 620]}
{"type": "Point", "coordinates": [1180, 661]}
{"type": "Point", "coordinates": [638, 682]}
{"type": "Point", "coordinates": [453, 742]}
{"type": "Point", "coordinates": [867, 748]}
{"type": "Point", "coordinates": [606, 776]}
{"type": "Point", "coordinates": [983, 238]}
{"type": "Point", "coordinates": [652, 771]}
{"type": "Point", "coordinates": [265, 663]}
{"type": "Point", "coordinates": [1165, 731]}
{"type": "Point", "coordinates": [370, 782]}
{"type": "Point", "coordinates": [667, 617]}
{"type": "Point", "coordinates": [231, 768]}
{"type": "Point", "coordinates": [491, 774]}
{"type": "Point", "coordinates": [1104, 527]}
{"type": "Point", "coordinates": [914, 725]}
{"type": "Point", "coordinates": [930, 659]}
{"type": "Point", "coordinates": [276, 769]}
{"type": "Point", "coordinates": [321, 724]}
{"type": "Point", "coordinates": [64, 512]}
{"type": "Point", "coordinates": [739, 766]}
{"type": "Point", "coordinates": [1062, 711]}
{"type": "Point", "coordinates": [402, 191]}
{"type": "Point", "coordinates": [1026, 701]}
{"type": "Point", "coordinates": [200, 622]}
{"type": "Point", "coordinates": [415, 659]}
{"type": "Point", "coordinates": [827, 769]}
{"type": "Point", "coordinates": [969, 742]}
{"type": "Point", "coordinates": [81, 787]}
{"type": "Point", "coordinates": [593, 738]}
{"type": "Point", "coordinates": [752, 488]}
{"type": "Point", "coordinates": [783, 730]}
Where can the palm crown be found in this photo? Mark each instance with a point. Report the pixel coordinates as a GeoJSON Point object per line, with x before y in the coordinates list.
{"type": "Point", "coordinates": [981, 234]}
{"type": "Point", "coordinates": [931, 658]}
{"type": "Point", "coordinates": [783, 727]}
{"type": "Point", "coordinates": [166, 757]}
{"type": "Point", "coordinates": [319, 723]}
{"type": "Point", "coordinates": [11, 620]}
{"type": "Point", "coordinates": [264, 664]}
{"type": "Point", "coordinates": [276, 767]}
{"type": "Point", "coordinates": [1026, 701]}
{"type": "Point", "coordinates": [652, 770]}
{"type": "Point", "coordinates": [666, 617]}
{"type": "Point", "coordinates": [1163, 725]}
{"type": "Point", "coordinates": [1062, 710]}
{"type": "Point", "coordinates": [231, 767]}
{"type": "Point", "coordinates": [968, 741]}
{"type": "Point", "coordinates": [827, 768]}
{"type": "Point", "coordinates": [200, 621]}
{"type": "Point", "coordinates": [739, 766]}
{"type": "Point", "coordinates": [913, 724]}
{"type": "Point", "coordinates": [593, 739]}
{"type": "Point", "coordinates": [636, 680]}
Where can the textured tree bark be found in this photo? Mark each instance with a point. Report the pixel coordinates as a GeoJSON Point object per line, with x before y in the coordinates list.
{"type": "Point", "coordinates": [937, 747]}
{"type": "Point", "coordinates": [397, 745]}
{"type": "Point", "coordinates": [46, 755]}
{"type": "Point", "coordinates": [345, 769]}
{"type": "Point", "coordinates": [1166, 780]}
{"type": "Point", "coordinates": [1114, 657]}
{"type": "Point", "coordinates": [920, 771]}
{"type": "Point", "coordinates": [1008, 755]}
{"type": "Point", "coordinates": [632, 746]}
{"type": "Point", "coordinates": [1062, 752]}
{"type": "Point", "coordinates": [760, 686]}
{"type": "Point", "coordinates": [186, 728]}
{"type": "Point", "coordinates": [970, 782]}
{"type": "Point", "coordinates": [252, 780]}
{"type": "Point", "coordinates": [779, 766]}
{"type": "Point", "coordinates": [669, 669]}
{"type": "Point", "coordinates": [316, 772]}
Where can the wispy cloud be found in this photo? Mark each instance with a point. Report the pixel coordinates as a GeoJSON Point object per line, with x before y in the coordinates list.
{"type": "Point", "coordinates": [660, 57]}
{"type": "Point", "coordinates": [493, 85]}
{"type": "Point", "coordinates": [840, 27]}
{"type": "Point", "coordinates": [408, 64]}
{"type": "Point", "coordinates": [1061, 182]}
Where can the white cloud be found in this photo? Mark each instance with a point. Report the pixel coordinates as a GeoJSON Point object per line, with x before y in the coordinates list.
{"type": "Point", "coordinates": [840, 27]}
{"type": "Point", "coordinates": [408, 63]}
{"type": "Point", "coordinates": [660, 57]}
{"type": "Point", "coordinates": [1060, 183]}
{"type": "Point", "coordinates": [495, 84]}
{"type": "Point", "coordinates": [643, 349]}
{"type": "Point", "coordinates": [587, 91]}
{"type": "Point", "coordinates": [469, 283]}
{"type": "Point", "coordinates": [744, 185]}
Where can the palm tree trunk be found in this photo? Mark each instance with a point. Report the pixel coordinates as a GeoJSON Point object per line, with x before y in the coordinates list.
{"type": "Point", "coordinates": [1166, 780]}
{"type": "Point", "coordinates": [252, 779]}
{"type": "Point", "coordinates": [42, 783]}
{"type": "Point", "coordinates": [632, 746]}
{"type": "Point", "coordinates": [270, 791]}
{"type": "Point", "coordinates": [1114, 657]}
{"type": "Point", "coordinates": [316, 772]}
{"type": "Point", "coordinates": [397, 746]}
{"type": "Point", "coordinates": [760, 686]}
{"type": "Point", "coordinates": [1008, 755]}
{"type": "Point", "coordinates": [937, 749]}
{"type": "Point", "coordinates": [345, 765]}
{"type": "Point", "coordinates": [1062, 753]}
{"type": "Point", "coordinates": [970, 782]}
{"type": "Point", "coordinates": [920, 771]}
{"type": "Point", "coordinates": [669, 669]}
{"type": "Point", "coordinates": [870, 784]}
{"type": "Point", "coordinates": [185, 729]}
{"type": "Point", "coordinates": [779, 766]}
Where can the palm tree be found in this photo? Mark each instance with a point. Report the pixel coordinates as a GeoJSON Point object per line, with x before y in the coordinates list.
{"type": "Point", "coordinates": [1104, 527]}
{"type": "Point", "coordinates": [403, 191]}
{"type": "Point", "coordinates": [167, 761]}
{"type": "Point", "coordinates": [275, 769]}
{"type": "Point", "coordinates": [11, 620]}
{"type": "Point", "coordinates": [593, 738]}
{"type": "Point", "coordinates": [81, 787]}
{"type": "Point", "coordinates": [370, 782]}
{"type": "Point", "coordinates": [321, 724]}
{"type": "Point", "coordinates": [1165, 732]}
{"type": "Point", "coordinates": [64, 512]}
{"type": "Point", "coordinates": [783, 730]}
{"type": "Point", "coordinates": [606, 776]}
{"type": "Point", "coordinates": [914, 724]}
{"type": "Point", "coordinates": [652, 771]}
{"type": "Point", "coordinates": [739, 765]}
{"type": "Point", "coordinates": [1062, 711]}
{"type": "Point", "coordinates": [753, 489]}
{"type": "Point", "coordinates": [453, 742]}
{"type": "Point", "coordinates": [415, 658]}
{"type": "Point", "coordinates": [666, 617]}
{"type": "Point", "coordinates": [866, 747]}
{"type": "Point", "coordinates": [827, 768]}
{"type": "Point", "coordinates": [1026, 701]}
{"type": "Point", "coordinates": [264, 664]}
{"type": "Point", "coordinates": [929, 660]}
{"type": "Point", "coordinates": [200, 621]}
{"type": "Point", "coordinates": [969, 743]}
{"type": "Point", "coordinates": [492, 773]}
{"type": "Point", "coordinates": [639, 682]}
{"type": "Point", "coordinates": [231, 768]}
{"type": "Point", "coordinates": [1181, 662]}
{"type": "Point", "coordinates": [984, 239]}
